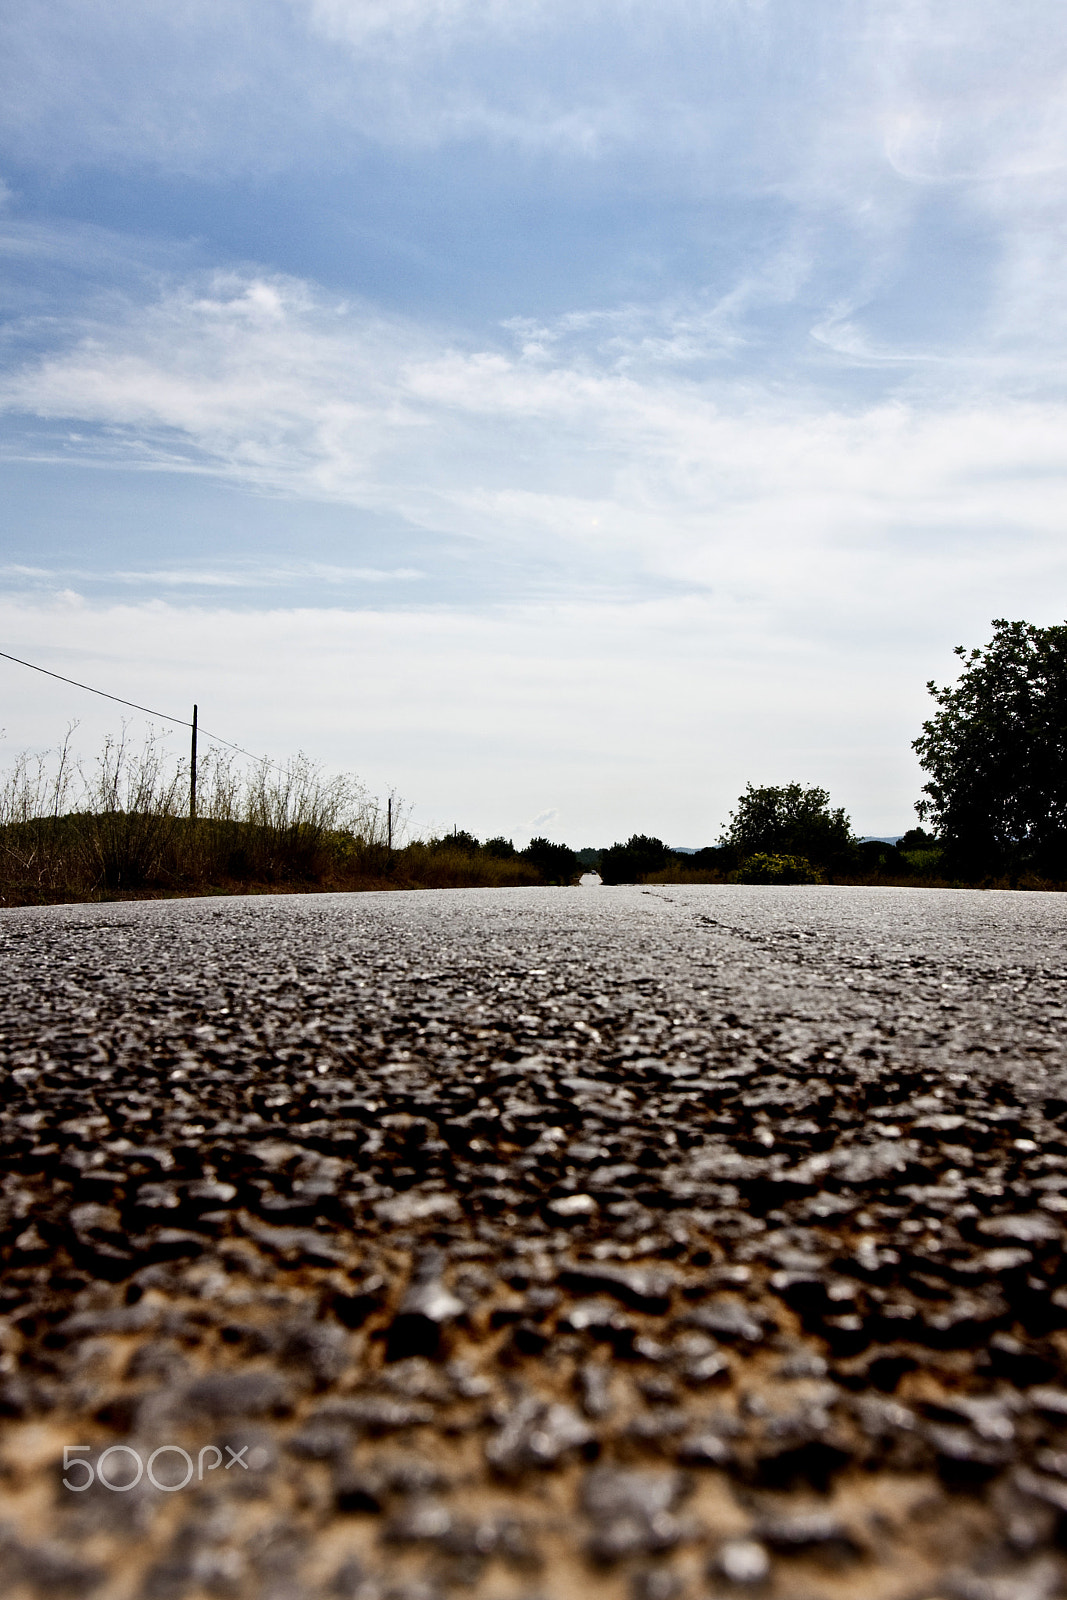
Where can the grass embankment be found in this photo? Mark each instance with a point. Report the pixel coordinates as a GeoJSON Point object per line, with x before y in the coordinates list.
{"type": "Point", "coordinates": [94, 856]}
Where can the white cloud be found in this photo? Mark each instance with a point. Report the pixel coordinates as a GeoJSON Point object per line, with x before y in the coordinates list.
{"type": "Point", "coordinates": [257, 574]}
{"type": "Point", "coordinates": [787, 94]}
{"type": "Point", "coordinates": [634, 463]}
{"type": "Point", "coordinates": [807, 520]}
{"type": "Point", "coordinates": [972, 92]}
{"type": "Point", "coordinates": [243, 84]}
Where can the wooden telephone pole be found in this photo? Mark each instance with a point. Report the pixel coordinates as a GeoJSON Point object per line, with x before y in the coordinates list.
{"type": "Point", "coordinates": [192, 774]}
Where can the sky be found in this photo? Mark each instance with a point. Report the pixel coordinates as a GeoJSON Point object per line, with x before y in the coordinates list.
{"type": "Point", "coordinates": [564, 414]}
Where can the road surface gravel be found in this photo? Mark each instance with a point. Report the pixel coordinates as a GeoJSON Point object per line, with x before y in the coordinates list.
{"type": "Point", "coordinates": [666, 1243]}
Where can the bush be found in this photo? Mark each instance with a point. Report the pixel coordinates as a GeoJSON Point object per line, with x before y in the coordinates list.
{"type": "Point", "coordinates": [762, 868]}
{"type": "Point", "coordinates": [434, 866]}
{"type": "Point", "coordinates": [922, 863]}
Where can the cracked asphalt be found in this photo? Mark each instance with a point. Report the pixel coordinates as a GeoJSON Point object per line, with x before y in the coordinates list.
{"type": "Point", "coordinates": [660, 1244]}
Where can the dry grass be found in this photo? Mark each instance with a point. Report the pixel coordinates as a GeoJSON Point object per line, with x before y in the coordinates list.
{"type": "Point", "coordinates": [120, 830]}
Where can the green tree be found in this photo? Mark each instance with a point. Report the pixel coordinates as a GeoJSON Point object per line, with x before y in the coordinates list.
{"type": "Point", "coordinates": [557, 863]}
{"type": "Point", "coordinates": [789, 821]}
{"type": "Point", "coordinates": [996, 755]}
{"type": "Point", "coordinates": [459, 839]}
{"type": "Point", "coordinates": [501, 848]}
{"type": "Point", "coordinates": [636, 859]}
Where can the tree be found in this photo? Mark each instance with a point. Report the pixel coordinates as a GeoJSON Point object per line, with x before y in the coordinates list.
{"type": "Point", "coordinates": [880, 857]}
{"type": "Point", "coordinates": [996, 755]}
{"type": "Point", "coordinates": [459, 839]}
{"type": "Point", "coordinates": [638, 858]}
{"type": "Point", "coordinates": [499, 847]}
{"type": "Point", "coordinates": [789, 821]}
{"type": "Point", "coordinates": [557, 863]}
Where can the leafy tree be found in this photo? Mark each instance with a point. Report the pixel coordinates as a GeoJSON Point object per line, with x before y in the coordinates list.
{"type": "Point", "coordinates": [501, 848]}
{"type": "Point", "coordinates": [636, 859]}
{"type": "Point", "coordinates": [996, 754]}
{"type": "Point", "coordinates": [712, 858]}
{"type": "Point", "coordinates": [557, 863]}
{"type": "Point", "coordinates": [789, 821]}
{"type": "Point", "coordinates": [459, 839]}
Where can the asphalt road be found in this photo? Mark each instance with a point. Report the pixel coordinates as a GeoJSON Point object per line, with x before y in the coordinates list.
{"type": "Point", "coordinates": [647, 1243]}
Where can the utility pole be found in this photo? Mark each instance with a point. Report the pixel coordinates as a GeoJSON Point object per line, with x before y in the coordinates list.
{"type": "Point", "coordinates": [390, 824]}
{"type": "Point", "coordinates": [192, 774]}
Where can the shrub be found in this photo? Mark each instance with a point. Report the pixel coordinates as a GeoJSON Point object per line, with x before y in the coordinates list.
{"type": "Point", "coordinates": [434, 866]}
{"type": "Point", "coordinates": [922, 863]}
{"type": "Point", "coordinates": [762, 868]}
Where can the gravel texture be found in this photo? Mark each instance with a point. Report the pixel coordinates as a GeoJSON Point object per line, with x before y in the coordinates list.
{"type": "Point", "coordinates": [663, 1244]}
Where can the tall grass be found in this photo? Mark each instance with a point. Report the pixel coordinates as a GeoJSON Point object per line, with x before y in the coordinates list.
{"type": "Point", "coordinates": [121, 827]}
{"type": "Point", "coordinates": [121, 824]}
{"type": "Point", "coordinates": [127, 825]}
{"type": "Point", "coordinates": [277, 824]}
{"type": "Point", "coordinates": [34, 798]}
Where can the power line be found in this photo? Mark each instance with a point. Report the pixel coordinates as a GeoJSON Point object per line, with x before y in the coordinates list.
{"type": "Point", "coordinates": [90, 690]}
{"type": "Point", "coordinates": [181, 721]}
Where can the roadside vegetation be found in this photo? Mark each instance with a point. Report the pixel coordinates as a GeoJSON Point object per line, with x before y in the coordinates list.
{"type": "Point", "coordinates": [995, 754]}
{"type": "Point", "coordinates": [122, 830]}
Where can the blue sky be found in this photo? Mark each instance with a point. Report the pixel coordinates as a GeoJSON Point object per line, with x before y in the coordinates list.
{"type": "Point", "coordinates": [566, 413]}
